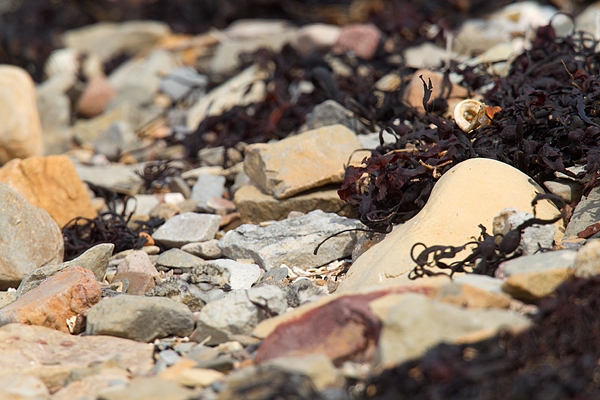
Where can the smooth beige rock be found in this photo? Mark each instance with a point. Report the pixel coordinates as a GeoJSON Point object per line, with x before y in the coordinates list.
{"type": "Point", "coordinates": [531, 286]}
{"type": "Point", "coordinates": [254, 206]}
{"type": "Point", "coordinates": [587, 260]}
{"type": "Point", "coordinates": [51, 355]}
{"type": "Point", "coordinates": [15, 386]}
{"type": "Point", "coordinates": [471, 193]}
{"type": "Point", "coordinates": [413, 93]}
{"type": "Point", "coordinates": [50, 183]}
{"type": "Point", "coordinates": [298, 163]}
{"type": "Point", "coordinates": [91, 385]}
{"type": "Point", "coordinates": [20, 129]}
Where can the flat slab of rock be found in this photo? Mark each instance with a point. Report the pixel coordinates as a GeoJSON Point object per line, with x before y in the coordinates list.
{"type": "Point", "coordinates": [187, 228]}
{"type": "Point", "coordinates": [29, 238]}
{"type": "Point", "coordinates": [117, 177]}
{"type": "Point", "coordinates": [139, 318]}
{"type": "Point", "coordinates": [51, 355]}
{"type": "Point", "coordinates": [50, 183]}
{"type": "Point", "coordinates": [298, 163]}
{"type": "Point", "coordinates": [292, 241]}
{"type": "Point", "coordinates": [448, 218]}
{"type": "Point", "coordinates": [66, 294]}
{"type": "Point", "coordinates": [586, 213]}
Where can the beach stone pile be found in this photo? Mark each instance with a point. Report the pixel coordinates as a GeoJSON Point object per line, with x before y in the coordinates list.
{"type": "Point", "coordinates": [230, 291]}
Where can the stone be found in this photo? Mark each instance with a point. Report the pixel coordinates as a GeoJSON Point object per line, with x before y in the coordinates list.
{"type": "Point", "coordinates": [361, 39]}
{"type": "Point", "coordinates": [255, 207]}
{"type": "Point", "coordinates": [139, 318]}
{"type": "Point", "coordinates": [412, 323]}
{"type": "Point", "coordinates": [181, 81]}
{"type": "Point", "coordinates": [298, 163]}
{"type": "Point", "coordinates": [86, 131]}
{"type": "Point", "coordinates": [51, 355]}
{"type": "Point", "coordinates": [292, 241]}
{"type": "Point", "coordinates": [532, 238]}
{"type": "Point", "coordinates": [118, 177]}
{"type": "Point", "coordinates": [136, 283]}
{"type": "Point", "coordinates": [143, 73]}
{"type": "Point", "coordinates": [153, 388]}
{"type": "Point", "coordinates": [54, 108]}
{"type": "Point", "coordinates": [187, 228]}
{"type": "Point", "coordinates": [29, 238]}
{"type": "Point", "coordinates": [90, 386]}
{"type": "Point", "coordinates": [532, 286]}
{"type": "Point", "coordinates": [142, 205]}
{"type": "Point", "coordinates": [21, 131]}
{"type": "Point", "coordinates": [317, 367]}
{"type": "Point", "coordinates": [50, 183]}
{"type": "Point", "coordinates": [7, 297]}
{"type": "Point", "coordinates": [14, 386]}
{"type": "Point", "coordinates": [413, 93]}
{"type": "Point", "coordinates": [94, 259]}
{"type": "Point", "coordinates": [208, 250]}
{"type": "Point", "coordinates": [238, 313]}
{"type": "Point", "coordinates": [587, 260]}
{"type": "Point", "coordinates": [107, 40]}
{"type": "Point", "coordinates": [315, 38]}
{"type": "Point", "coordinates": [66, 294]}
{"type": "Point", "coordinates": [117, 139]}
{"type": "Point", "coordinates": [492, 186]}
{"type": "Point", "coordinates": [539, 262]}
{"type": "Point", "coordinates": [586, 213]}
{"type": "Point", "coordinates": [330, 112]}
{"type": "Point", "coordinates": [179, 290]}
{"type": "Point", "coordinates": [427, 56]}
{"type": "Point", "coordinates": [245, 88]}
{"type": "Point", "coordinates": [567, 189]}
{"type": "Point", "coordinates": [241, 275]}
{"type": "Point", "coordinates": [176, 258]}
{"type": "Point", "coordinates": [467, 296]}
{"type": "Point", "coordinates": [207, 186]}
{"type": "Point", "coordinates": [484, 282]}
{"type": "Point", "coordinates": [137, 261]}
{"type": "Point", "coordinates": [97, 94]}
{"type": "Point", "coordinates": [185, 373]}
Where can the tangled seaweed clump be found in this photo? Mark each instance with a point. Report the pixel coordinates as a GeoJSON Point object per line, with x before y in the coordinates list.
{"type": "Point", "coordinates": [555, 359]}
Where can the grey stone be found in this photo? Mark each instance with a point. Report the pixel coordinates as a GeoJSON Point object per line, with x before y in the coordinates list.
{"type": "Point", "coordinates": [133, 95]}
{"type": "Point", "coordinates": [330, 112]}
{"type": "Point", "coordinates": [178, 185]}
{"type": "Point", "coordinates": [180, 82]}
{"type": "Point", "coordinates": [29, 238]}
{"type": "Point", "coordinates": [179, 290]}
{"type": "Point", "coordinates": [413, 323]}
{"type": "Point", "coordinates": [210, 273]}
{"type": "Point", "coordinates": [488, 283]}
{"type": "Point", "coordinates": [537, 263]}
{"type": "Point", "coordinates": [567, 189]}
{"type": "Point", "coordinates": [276, 274]}
{"type": "Point", "coordinates": [118, 177]}
{"type": "Point", "coordinates": [143, 72]}
{"type": "Point", "coordinates": [186, 228]}
{"type": "Point", "coordinates": [532, 238]}
{"type": "Point", "coordinates": [303, 291]}
{"type": "Point", "coordinates": [586, 213]}
{"type": "Point", "coordinates": [202, 353]}
{"type": "Point", "coordinates": [292, 241]}
{"type": "Point", "coordinates": [86, 131]}
{"type": "Point", "coordinates": [207, 186]}
{"type": "Point", "coordinates": [140, 318]}
{"type": "Point", "coordinates": [237, 313]}
{"type": "Point", "coordinates": [208, 250]}
{"type": "Point", "coordinates": [241, 275]}
{"type": "Point", "coordinates": [95, 259]}
{"type": "Point", "coordinates": [170, 357]}
{"type": "Point", "coordinates": [371, 140]}
{"type": "Point", "coordinates": [587, 261]}
{"type": "Point", "coordinates": [176, 258]}
{"type": "Point", "coordinates": [118, 138]}
{"type": "Point", "coordinates": [142, 204]}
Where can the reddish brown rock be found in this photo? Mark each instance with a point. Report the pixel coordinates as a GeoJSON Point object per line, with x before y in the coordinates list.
{"type": "Point", "coordinates": [362, 39]}
{"type": "Point", "coordinates": [68, 293]}
{"type": "Point", "coordinates": [97, 94]}
{"type": "Point", "coordinates": [138, 283]}
{"type": "Point", "coordinates": [50, 183]}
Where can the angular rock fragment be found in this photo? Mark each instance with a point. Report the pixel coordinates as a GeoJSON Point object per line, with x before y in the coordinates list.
{"type": "Point", "coordinates": [186, 228]}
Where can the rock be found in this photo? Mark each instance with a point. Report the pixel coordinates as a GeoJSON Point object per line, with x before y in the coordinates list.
{"type": "Point", "coordinates": [412, 323]}
{"type": "Point", "coordinates": [87, 131]}
{"type": "Point", "coordinates": [586, 213]}
{"type": "Point", "coordinates": [292, 241]}
{"type": "Point", "coordinates": [254, 206]}
{"type": "Point", "coordinates": [587, 261]}
{"type": "Point", "coordinates": [330, 112]}
{"type": "Point", "coordinates": [176, 258]}
{"type": "Point", "coordinates": [239, 276]}
{"type": "Point", "coordinates": [181, 81]}
{"type": "Point", "coordinates": [185, 373]}
{"type": "Point", "coordinates": [90, 386]}
{"type": "Point", "coordinates": [539, 262]}
{"type": "Point", "coordinates": [567, 189]}
{"type": "Point", "coordinates": [245, 88]}
{"type": "Point", "coordinates": [29, 238]}
{"type": "Point", "coordinates": [117, 177]}
{"type": "Point", "coordinates": [135, 283]}
{"type": "Point", "coordinates": [51, 355]}
{"type": "Point", "coordinates": [21, 131]}
{"type": "Point", "coordinates": [97, 94]}
{"type": "Point", "coordinates": [492, 186]}
{"type": "Point", "coordinates": [413, 93]}
{"type": "Point", "coordinates": [7, 297]}
{"type": "Point", "coordinates": [68, 293]}
{"type": "Point", "coordinates": [15, 386]}
{"type": "Point", "coordinates": [427, 56]}
{"type": "Point", "coordinates": [207, 186]}
{"type": "Point", "coordinates": [50, 183]}
{"type": "Point", "coordinates": [139, 318]}
{"type": "Point", "coordinates": [142, 205]}
{"type": "Point", "coordinates": [238, 313]}
{"type": "Point", "coordinates": [94, 259]}
{"type": "Point", "coordinates": [184, 292]}
{"type": "Point", "coordinates": [467, 296]}
{"type": "Point", "coordinates": [187, 228]}
{"type": "Point", "coordinates": [208, 250]}
{"type": "Point", "coordinates": [107, 40]}
{"type": "Point", "coordinates": [117, 139]}
{"type": "Point", "coordinates": [302, 162]}
{"type": "Point", "coordinates": [361, 39]}
{"type": "Point", "coordinates": [532, 286]}
{"type": "Point", "coordinates": [483, 282]}
{"type": "Point", "coordinates": [149, 389]}
{"type": "Point", "coordinates": [532, 238]}
{"type": "Point", "coordinates": [54, 108]}
{"type": "Point", "coordinates": [315, 38]}
{"type": "Point", "coordinates": [143, 73]}
{"type": "Point", "coordinates": [137, 261]}
{"type": "Point", "coordinates": [317, 367]}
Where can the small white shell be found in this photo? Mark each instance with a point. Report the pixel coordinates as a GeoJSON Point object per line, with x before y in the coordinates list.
{"type": "Point", "coordinates": [468, 115]}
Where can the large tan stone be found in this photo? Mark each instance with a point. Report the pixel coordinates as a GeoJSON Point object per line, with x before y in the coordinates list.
{"type": "Point", "coordinates": [50, 183]}
{"type": "Point", "coordinates": [298, 163]}
{"type": "Point", "coordinates": [20, 127]}
{"type": "Point", "coordinates": [471, 193]}
{"type": "Point", "coordinates": [254, 206]}
{"type": "Point", "coordinates": [532, 286]}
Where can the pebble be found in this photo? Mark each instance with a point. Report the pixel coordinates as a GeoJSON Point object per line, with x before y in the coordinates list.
{"type": "Point", "coordinates": [315, 38]}
{"type": "Point", "coordinates": [331, 112]}
{"type": "Point", "coordinates": [361, 39]}
{"type": "Point", "coordinates": [175, 258]}
{"type": "Point", "coordinates": [208, 250]}
{"type": "Point", "coordinates": [187, 228]}
{"type": "Point", "coordinates": [206, 187]}
{"type": "Point", "coordinates": [96, 96]}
